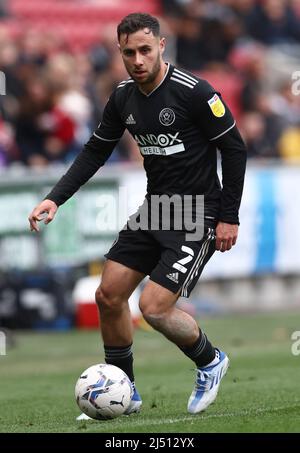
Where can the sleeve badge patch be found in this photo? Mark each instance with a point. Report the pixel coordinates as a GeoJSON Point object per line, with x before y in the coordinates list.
{"type": "Point", "coordinates": [216, 106]}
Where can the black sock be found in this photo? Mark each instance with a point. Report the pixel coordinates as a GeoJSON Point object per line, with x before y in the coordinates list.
{"type": "Point", "coordinates": [202, 352]}
{"type": "Point", "coordinates": [120, 356]}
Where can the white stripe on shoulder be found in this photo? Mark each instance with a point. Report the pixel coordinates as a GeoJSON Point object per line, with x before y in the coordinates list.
{"type": "Point", "coordinates": [124, 82]}
{"type": "Point", "coordinates": [220, 135]}
{"type": "Point", "coordinates": [106, 139]}
{"type": "Point", "coordinates": [182, 82]}
{"type": "Point", "coordinates": [186, 79]}
{"type": "Point", "coordinates": [186, 75]}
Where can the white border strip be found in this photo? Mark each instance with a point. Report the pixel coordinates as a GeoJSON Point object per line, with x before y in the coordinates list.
{"type": "Point", "coordinates": [220, 135]}
{"type": "Point", "coordinates": [182, 82]}
{"type": "Point", "coordinates": [193, 82]}
{"type": "Point", "coordinates": [199, 260]}
{"type": "Point", "coordinates": [186, 75]}
{"type": "Point", "coordinates": [106, 139]}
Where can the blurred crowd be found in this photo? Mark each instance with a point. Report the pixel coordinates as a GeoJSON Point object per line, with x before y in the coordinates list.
{"type": "Point", "coordinates": [248, 49]}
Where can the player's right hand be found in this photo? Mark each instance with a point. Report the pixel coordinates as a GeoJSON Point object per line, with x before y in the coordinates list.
{"type": "Point", "coordinates": [46, 211]}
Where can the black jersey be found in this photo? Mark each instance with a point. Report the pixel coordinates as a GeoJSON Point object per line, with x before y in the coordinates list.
{"type": "Point", "coordinates": [178, 128]}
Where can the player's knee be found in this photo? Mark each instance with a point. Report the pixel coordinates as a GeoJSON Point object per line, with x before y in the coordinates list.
{"type": "Point", "coordinates": [152, 312]}
{"type": "Point", "coordinates": [106, 299]}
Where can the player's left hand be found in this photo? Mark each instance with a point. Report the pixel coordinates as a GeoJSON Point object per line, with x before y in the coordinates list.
{"type": "Point", "coordinates": [226, 236]}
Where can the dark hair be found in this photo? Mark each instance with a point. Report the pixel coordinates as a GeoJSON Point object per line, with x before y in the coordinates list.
{"type": "Point", "coordinates": [138, 21]}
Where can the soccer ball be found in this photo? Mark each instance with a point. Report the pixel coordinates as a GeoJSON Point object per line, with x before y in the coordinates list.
{"type": "Point", "coordinates": [103, 391]}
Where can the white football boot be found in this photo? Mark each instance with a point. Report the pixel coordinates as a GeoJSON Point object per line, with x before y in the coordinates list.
{"type": "Point", "coordinates": [207, 384]}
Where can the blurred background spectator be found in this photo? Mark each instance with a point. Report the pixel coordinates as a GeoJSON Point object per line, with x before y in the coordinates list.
{"type": "Point", "coordinates": [61, 62]}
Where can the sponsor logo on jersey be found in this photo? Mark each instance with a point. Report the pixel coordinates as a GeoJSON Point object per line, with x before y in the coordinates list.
{"type": "Point", "coordinates": [130, 120]}
{"type": "Point", "coordinates": [167, 117]}
{"type": "Point", "coordinates": [216, 106]}
{"type": "Point", "coordinates": [162, 144]}
{"type": "Point", "coordinates": [174, 277]}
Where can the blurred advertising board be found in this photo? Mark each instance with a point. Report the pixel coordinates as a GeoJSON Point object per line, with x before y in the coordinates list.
{"type": "Point", "coordinates": [87, 224]}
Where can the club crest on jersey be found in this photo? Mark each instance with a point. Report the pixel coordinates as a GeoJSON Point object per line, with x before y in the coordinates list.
{"type": "Point", "coordinates": [167, 117]}
{"type": "Point", "coordinates": [216, 106]}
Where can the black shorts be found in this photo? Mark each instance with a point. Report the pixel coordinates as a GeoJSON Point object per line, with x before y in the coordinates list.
{"type": "Point", "coordinates": [166, 256]}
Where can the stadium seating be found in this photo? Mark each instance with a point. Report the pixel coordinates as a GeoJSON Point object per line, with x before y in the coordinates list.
{"type": "Point", "coordinates": [229, 83]}
{"type": "Point", "coordinates": [78, 22]}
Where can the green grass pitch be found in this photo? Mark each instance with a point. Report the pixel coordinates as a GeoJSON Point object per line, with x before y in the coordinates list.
{"type": "Point", "coordinates": [260, 392]}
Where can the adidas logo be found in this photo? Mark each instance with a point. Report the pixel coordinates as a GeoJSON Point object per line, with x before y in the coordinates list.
{"type": "Point", "coordinates": [130, 120]}
{"type": "Point", "coordinates": [173, 277]}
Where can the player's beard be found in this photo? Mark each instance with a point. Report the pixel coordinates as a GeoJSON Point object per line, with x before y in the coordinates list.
{"type": "Point", "coordinates": [151, 76]}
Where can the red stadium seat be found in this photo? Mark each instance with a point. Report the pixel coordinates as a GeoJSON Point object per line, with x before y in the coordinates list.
{"type": "Point", "coordinates": [229, 84]}
{"type": "Point", "coordinates": [78, 21]}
